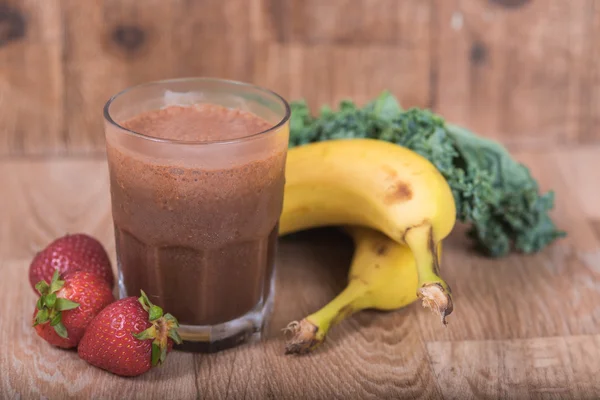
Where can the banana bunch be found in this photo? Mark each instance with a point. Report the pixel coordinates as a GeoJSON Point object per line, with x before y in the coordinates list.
{"type": "Point", "coordinates": [382, 276]}
{"type": "Point", "coordinates": [388, 197]}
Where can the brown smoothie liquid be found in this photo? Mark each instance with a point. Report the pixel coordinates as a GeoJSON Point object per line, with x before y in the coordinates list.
{"type": "Point", "coordinates": [200, 242]}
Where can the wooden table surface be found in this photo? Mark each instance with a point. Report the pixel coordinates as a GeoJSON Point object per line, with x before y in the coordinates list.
{"type": "Point", "coordinates": [522, 327]}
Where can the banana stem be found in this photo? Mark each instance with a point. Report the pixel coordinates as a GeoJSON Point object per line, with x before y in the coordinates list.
{"type": "Point", "coordinates": [433, 291]}
{"type": "Point", "coordinates": [310, 332]}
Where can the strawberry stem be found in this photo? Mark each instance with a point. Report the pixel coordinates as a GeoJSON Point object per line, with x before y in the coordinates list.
{"type": "Point", "coordinates": [50, 300]}
{"type": "Point", "coordinates": [163, 327]}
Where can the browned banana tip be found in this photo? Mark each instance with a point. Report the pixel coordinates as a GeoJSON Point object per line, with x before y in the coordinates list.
{"type": "Point", "coordinates": [303, 339]}
{"type": "Point", "coordinates": [437, 300]}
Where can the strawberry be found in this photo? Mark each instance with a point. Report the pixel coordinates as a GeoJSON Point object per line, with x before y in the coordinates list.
{"type": "Point", "coordinates": [129, 337]}
{"type": "Point", "coordinates": [78, 252]}
{"type": "Point", "coordinates": [66, 307]}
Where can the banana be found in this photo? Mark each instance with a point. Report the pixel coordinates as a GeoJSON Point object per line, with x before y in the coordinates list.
{"type": "Point", "coordinates": [376, 184]}
{"type": "Point", "coordinates": [382, 276]}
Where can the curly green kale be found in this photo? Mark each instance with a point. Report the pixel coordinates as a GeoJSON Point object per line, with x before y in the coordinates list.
{"type": "Point", "coordinates": [493, 192]}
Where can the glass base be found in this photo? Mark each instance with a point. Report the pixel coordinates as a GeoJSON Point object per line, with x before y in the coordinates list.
{"type": "Point", "coordinates": [213, 338]}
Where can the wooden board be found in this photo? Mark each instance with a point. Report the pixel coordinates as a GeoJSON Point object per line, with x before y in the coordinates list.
{"type": "Point", "coordinates": [524, 72]}
{"type": "Point", "coordinates": [523, 327]}
{"type": "Point", "coordinates": [130, 42]}
{"type": "Point", "coordinates": [324, 52]}
{"type": "Point", "coordinates": [32, 109]}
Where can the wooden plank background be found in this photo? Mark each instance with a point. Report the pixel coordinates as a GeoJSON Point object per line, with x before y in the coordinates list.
{"type": "Point", "coordinates": [522, 71]}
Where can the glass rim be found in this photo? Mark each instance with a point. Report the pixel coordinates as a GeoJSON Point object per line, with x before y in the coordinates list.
{"type": "Point", "coordinates": [108, 117]}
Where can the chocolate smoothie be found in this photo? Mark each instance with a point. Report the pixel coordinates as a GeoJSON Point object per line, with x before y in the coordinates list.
{"type": "Point", "coordinates": [199, 241]}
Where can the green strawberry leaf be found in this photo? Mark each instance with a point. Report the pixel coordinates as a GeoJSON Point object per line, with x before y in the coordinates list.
{"type": "Point", "coordinates": [173, 334]}
{"type": "Point", "coordinates": [42, 287]}
{"type": "Point", "coordinates": [170, 318]}
{"type": "Point", "coordinates": [155, 312]}
{"type": "Point", "coordinates": [61, 330]}
{"type": "Point", "coordinates": [50, 299]}
{"type": "Point", "coordinates": [56, 319]}
{"type": "Point", "coordinates": [56, 284]}
{"type": "Point", "coordinates": [149, 333]}
{"type": "Point", "coordinates": [41, 317]}
{"type": "Point", "coordinates": [145, 301]}
{"type": "Point", "coordinates": [64, 304]}
{"type": "Point", "coordinates": [156, 354]}
{"type": "Point", "coordinates": [40, 303]}
{"type": "Point", "coordinates": [173, 324]}
{"type": "Point", "coordinates": [163, 354]}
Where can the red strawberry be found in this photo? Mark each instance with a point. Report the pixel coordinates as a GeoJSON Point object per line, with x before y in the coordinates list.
{"type": "Point", "coordinates": [66, 307]}
{"type": "Point", "coordinates": [78, 252]}
{"type": "Point", "coordinates": [129, 337]}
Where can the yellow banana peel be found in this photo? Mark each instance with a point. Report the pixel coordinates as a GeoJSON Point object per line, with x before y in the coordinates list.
{"type": "Point", "coordinates": [382, 276]}
{"type": "Point", "coordinates": [379, 185]}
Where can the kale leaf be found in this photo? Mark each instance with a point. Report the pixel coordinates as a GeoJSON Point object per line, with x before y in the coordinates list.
{"type": "Point", "coordinates": [495, 194]}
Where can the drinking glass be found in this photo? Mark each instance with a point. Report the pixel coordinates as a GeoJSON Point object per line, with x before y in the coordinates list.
{"type": "Point", "coordinates": [196, 222]}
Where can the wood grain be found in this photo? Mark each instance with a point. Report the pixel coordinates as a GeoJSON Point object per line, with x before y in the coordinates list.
{"type": "Point", "coordinates": [324, 52]}
{"type": "Point", "coordinates": [125, 43]}
{"type": "Point", "coordinates": [578, 167]}
{"type": "Point", "coordinates": [519, 75]}
{"type": "Point", "coordinates": [525, 73]}
{"type": "Point", "coordinates": [108, 46]}
{"type": "Point", "coordinates": [49, 199]}
{"type": "Point", "coordinates": [523, 326]}
{"type": "Point", "coordinates": [103, 48]}
{"type": "Point", "coordinates": [214, 38]}
{"type": "Point", "coordinates": [31, 77]}
{"type": "Point", "coordinates": [540, 368]}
